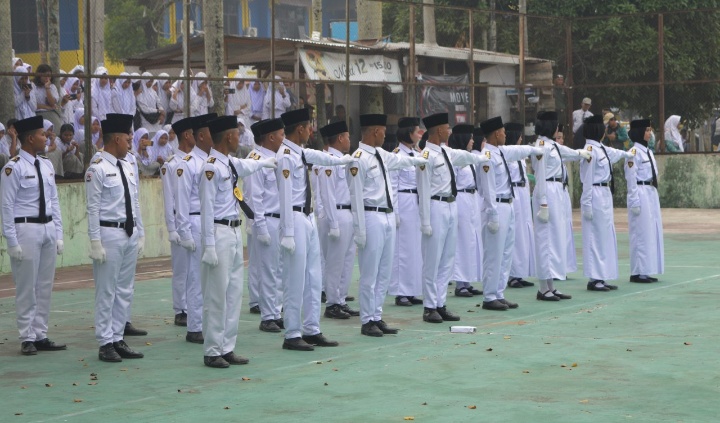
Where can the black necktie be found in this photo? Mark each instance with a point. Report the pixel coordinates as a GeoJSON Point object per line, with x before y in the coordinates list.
{"type": "Point", "coordinates": [507, 169]}
{"type": "Point", "coordinates": [472, 169]}
{"type": "Point", "coordinates": [652, 166]}
{"type": "Point", "coordinates": [411, 154]}
{"type": "Point", "coordinates": [308, 193]}
{"type": "Point", "coordinates": [129, 221]}
{"type": "Point", "coordinates": [41, 208]}
{"type": "Point", "coordinates": [243, 205]}
{"type": "Point", "coordinates": [453, 185]}
{"type": "Point", "coordinates": [612, 179]}
{"type": "Point", "coordinates": [382, 168]}
{"type": "Point", "coordinates": [562, 167]}
{"type": "Point", "coordinates": [522, 172]}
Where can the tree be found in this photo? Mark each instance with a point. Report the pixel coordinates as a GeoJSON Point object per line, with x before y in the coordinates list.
{"type": "Point", "coordinates": [133, 26]}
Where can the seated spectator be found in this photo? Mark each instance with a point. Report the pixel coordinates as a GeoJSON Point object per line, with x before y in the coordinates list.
{"type": "Point", "coordinates": [172, 137]}
{"type": "Point", "coordinates": [201, 99]}
{"type": "Point", "coordinates": [101, 94]}
{"type": "Point", "coordinates": [46, 95]}
{"type": "Point", "coordinates": [52, 152]}
{"type": "Point", "coordinates": [616, 135]}
{"type": "Point", "coordinates": [72, 98]}
{"type": "Point", "coordinates": [160, 149]}
{"type": "Point", "coordinates": [141, 148]}
{"type": "Point", "coordinates": [72, 157]}
{"type": "Point", "coordinates": [149, 107]}
{"type": "Point", "coordinates": [9, 145]}
{"type": "Point", "coordinates": [25, 100]}
{"type": "Point", "coordinates": [674, 142]}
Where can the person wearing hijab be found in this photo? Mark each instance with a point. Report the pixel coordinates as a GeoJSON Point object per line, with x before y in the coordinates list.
{"type": "Point", "coordinates": [78, 123]}
{"type": "Point", "coordinates": [101, 94]}
{"type": "Point", "coordinates": [161, 149]}
{"type": "Point", "coordinates": [123, 96]}
{"type": "Point", "coordinates": [282, 100]}
{"type": "Point", "coordinates": [201, 99]}
{"type": "Point", "coordinates": [647, 255]}
{"type": "Point", "coordinates": [238, 102]}
{"type": "Point", "coordinates": [4, 150]}
{"type": "Point", "coordinates": [172, 137]}
{"type": "Point", "coordinates": [25, 100]}
{"type": "Point", "coordinates": [46, 95]}
{"type": "Point", "coordinates": [52, 152]}
{"type": "Point", "coordinates": [72, 157]}
{"type": "Point", "coordinates": [78, 71]}
{"type": "Point", "coordinates": [142, 146]}
{"type": "Point", "coordinates": [571, 264]}
{"type": "Point", "coordinates": [176, 102]}
{"type": "Point", "coordinates": [257, 100]}
{"type": "Point", "coordinates": [152, 114]}
{"type": "Point", "coordinates": [673, 139]}
{"type": "Point", "coordinates": [9, 144]}
{"type": "Point", "coordinates": [162, 87]}
{"type": "Point", "coordinates": [72, 92]}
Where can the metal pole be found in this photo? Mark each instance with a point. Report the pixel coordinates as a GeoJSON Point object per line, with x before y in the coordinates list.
{"type": "Point", "coordinates": [521, 92]}
{"type": "Point", "coordinates": [87, 104]}
{"type": "Point", "coordinates": [186, 57]}
{"type": "Point", "coordinates": [7, 103]}
{"type": "Point", "coordinates": [569, 81]}
{"type": "Point", "coordinates": [410, 107]}
{"type": "Point", "coordinates": [661, 79]}
{"type": "Point", "coordinates": [272, 59]}
{"type": "Point", "coordinates": [53, 18]}
{"type": "Point", "coordinates": [471, 65]}
{"type": "Point", "coordinates": [347, 62]}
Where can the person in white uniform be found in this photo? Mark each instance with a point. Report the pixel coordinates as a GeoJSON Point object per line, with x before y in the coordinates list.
{"type": "Point", "coordinates": [180, 257]}
{"type": "Point", "coordinates": [117, 236]}
{"type": "Point", "coordinates": [498, 230]}
{"type": "Point", "coordinates": [261, 192]}
{"type": "Point", "coordinates": [32, 226]}
{"type": "Point", "coordinates": [253, 263]}
{"type": "Point", "coordinates": [406, 280]}
{"type": "Point", "coordinates": [600, 256]}
{"type": "Point", "coordinates": [221, 271]}
{"type": "Point", "coordinates": [647, 251]}
{"type": "Point", "coordinates": [437, 191]}
{"type": "Point", "coordinates": [523, 256]}
{"type": "Point", "coordinates": [571, 263]}
{"type": "Point", "coordinates": [340, 250]}
{"type": "Point", "coordinates": [187, 219]}
{"type": "Point", "coordinates": [300, 246]}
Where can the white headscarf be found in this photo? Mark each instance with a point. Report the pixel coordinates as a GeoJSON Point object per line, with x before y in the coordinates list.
{"type": "Point", "coordinates": [96, 136]}
{"type": "Point", "coordinates": [136, 138]}
{"type": "Point", "coordinates": [76, 69]}
{"type": "Point", "coordinates": [23, 109]}
{"type": "Point", "coordinates": [672, 133]}
{"type": "Point", "coordinates": [47, 125]}
{"type": "Point", "coordinates": [158, 150]}
{"type": "Point", "coordinates": [69, 83]}
{"type": "Point", "coordinates": [148, 99]}
{"type": "Point", "coordinates": [125, 96]}
{"type": "Point", "coordinates": [101, 96]}
{"type": "Point", "coordinates": [79, 127]}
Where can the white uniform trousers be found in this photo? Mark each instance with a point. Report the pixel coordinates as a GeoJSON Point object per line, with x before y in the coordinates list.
{"type": "Point", "coordinates": [194, 292]}
{"type": "Point", "coordinates": [571, 262]}
{"type": "Point", "coordinates": [114, 281]}
{"type": "Point", "coordinates": [302, 279]}
{"type": "Point", "coordinates": [497, 256]}
{"type": "Point", "coordinates": [375, 261]}
{"type": "Point", "coordinates": [647, 251]}
{"type": "Point", "coordinates": [523, 257]}
{"type": "Point", "coordinates": [323, 226]}
{"type": "Point", "coordinates": [468, 239]}
{"type": "Point", "coordinates": [269, 271]}
{"type": "Point", "coordinates": [551, 237]}
{"type": "Point", "coordinates": [339, 260]}
{"type": "Point", "coordinates": [438, 253]}
{"type": "Point", "coordinates": [600, 257]}
{"type": "Point", "coordinates": [253, 270]}
{"type": "Point", "coordinates": [33, 277]}
{"type": "Point", "coordinates": [180, 260]}
{"type": "Point", "coordinates": [406, 278]}
{"type": "Point", "coordinates": [222, 288]}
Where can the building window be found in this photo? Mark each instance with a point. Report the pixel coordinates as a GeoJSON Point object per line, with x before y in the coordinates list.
{"type": "Point", "coordinates": [231, 17]}
{"type": "Point", "coordinates": [23, 20]}
{"type": "Point", "coordinates": [290, 21]}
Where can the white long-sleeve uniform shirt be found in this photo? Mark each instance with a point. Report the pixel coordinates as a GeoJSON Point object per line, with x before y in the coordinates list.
{"type": "Point", "coordinates": [169, 184]}
{"type": "Point", "coordinates": [494, 178]}
{"type": "Point", "coordinates": [187, 195]}
{"type": "Point", "coordinates": [551, 167]}
{"type": "Point", "coordinates": [333, 188]}
{"type": "Point", "coordinates": [261, 191]}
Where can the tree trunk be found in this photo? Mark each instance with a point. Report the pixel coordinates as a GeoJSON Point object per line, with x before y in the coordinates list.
{"type": "Point", "coordinates": [42, 33]}
{"type": "Point", "coordinates": [97, 20]}
{"type": "Point", "coordinates": [7, 105]}
{"type": "Point", "coordinates": [369, 17]}
{"type": "Point", "coordinates": [214, 50]}
{"type": "Point", "coordinates": [53, 35]}
{"type": "Point", "coordinates": [319, 88]}
{"type": "Point", "coordinates": [429, 24]}
{"type": "Point", "coordinates": [493, 28]}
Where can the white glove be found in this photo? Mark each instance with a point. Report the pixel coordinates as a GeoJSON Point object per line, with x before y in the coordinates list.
{"type": "Point", "coordinates": [97, 252]}
{"type": "Point", "coordinates": [141, 245]}
{"type": "Point", "coordinates": [630, 154]}
{"type": "Point", "coordinates": [397, 220]}
{"type": "Point", "coordinates": [543, 214]}
{"type": "Point", "coordinates": [188, 244]}
{"type": "Point", "coordinates": [16, 252]}
{"type": "Point", "coordinates": [585, 154]}
{"type": "Point", "coordinates": [587, 215]}
{"type": "Point", "coordinates": [269, 163]}
{"type": "Point", "coordinates": [635, 211]}
{"type": "Point", "coordinates": [360, 240]}
{"type": "Point", "coordinates": [249, 228]}
{"type": "Point", "coordinates": [418, 161]}
{"type": "Point", "coordinates": [334, 233]}
{"type": "Point", "coordinates": [210, 256]}
{"type": "Point", "coordinates": [173, 237]}
{"type": "Point", "coordinates": [288, 244]}
{"type": "Point", "coordinates": [426, 230]}
{"type": "Point", "coordinates": [346, 159]}
{"type": "Point", "coordinates": [481, 158]}
{"type": "Point", "coordinates": [493, 227]}
{"type": "Point", "coordinates": [264, 239]}
{"type": "Point", "coordinates": [60, 246]}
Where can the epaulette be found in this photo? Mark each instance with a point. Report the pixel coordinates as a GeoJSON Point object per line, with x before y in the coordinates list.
{"type": "Point", "coordinates": [257, 157]}
{"type": "Point", "coordinates": [426, 154]}
{"type": "Point", "coordinates": [358, 154]}
{"type": "Point", "coordinates": [252, 155]}
{"type": "Point", "coordinates": [287, 151]}
{"type": "Point", "coordinates": [15, 159]}
{"type": "Point", "coordinates": [187, 158]}
{"type": "Point", "coordinates": [98, 160]}
{"type": "Point", "coordinates": [211, 160]}
{"type": "Point", "coordinates": [589, 148]}
{"type": "Point", "coordinates": [396, 149]}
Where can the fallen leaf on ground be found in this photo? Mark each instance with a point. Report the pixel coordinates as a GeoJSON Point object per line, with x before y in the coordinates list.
{"type": "Point", "coordinates": [506, 337]}
{"type": "Point", "coordinates": [48, 385]}
{"type": "Point", "coordinates": [574, 364]}
{"type": "Point", "coordinates": [409, 418]}
{"type": "Point", "coordinates": [335, 370]}
{"type": "Point", "coordinates": [584, 401]}
{"type": "Point", "coordinates": [687, 343]}
{"type": "Point", "coordinates": [77, 400]}
{"type": "Point", "coordinates": [425, 403]}
{"type": "Point", "coordinates": [326, 384]}
{"type": "Point", "coordinates": [226, 408]}
{"type": "Point", "coordinates": [472, 407]}
{"type": "Point", "coordinates": [526, 371]}
{"type": "Point", "coordinates": [148, 343]}
{"type": "Point", "coordinates": [123, 370]}
{"type": "Point", "coordinates": [488, 349]}
{"type": "Point", "coordinates": [245, 378]}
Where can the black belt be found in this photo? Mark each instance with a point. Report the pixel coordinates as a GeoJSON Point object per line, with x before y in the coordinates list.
{"type": "Point", "coordinates": [601, 184]}
{"type": "Point", "coordinates": [644, 182]}
{"type": "Point", "coordinates": [449, 199]}
{"type": "Point", "coordinates": [379, 209]}
{"type": "Point", "coordinates": [301, 209]}
{"type": "Point", "coordinates": [468, 190]}
{"type": "Point", "coordinates": [275, 215]}
{"type": "Point", "coordinates": [194, 213]}
{"type": "Point", "coordinates": [343, 206]}
{"type": "Point", "coordinates": [119, 225]}
{"type": "Point", "coordinates": [504, 200]}
{"type": "Point", "coordinates": [33, 219]}
{"type": "Point", "coordinates": [408, 191]}
{"type": "Point", "coordinates": [554, 179]}
{"type": "Point", "coordinates": [518, 184]}
{"type": "Point", "coordinates": [231, 223]}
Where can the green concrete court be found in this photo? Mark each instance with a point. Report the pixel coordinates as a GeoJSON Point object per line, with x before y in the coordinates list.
{"type": "Point", "coordinates": [644, 353]}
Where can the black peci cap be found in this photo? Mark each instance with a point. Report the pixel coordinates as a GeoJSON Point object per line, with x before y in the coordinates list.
{"type": "Point", "coordinates": [29, 124]}
{"type": "Point", "coordinates": [115, 123]}
{"type": "Point", "coordinates": [492, 124]}
{"type": "Point", "coordinates": [269, 125]}
{"type": "Point", "coordinates": [333, 129]}
{"type": "Point", "coordinates": [373, 120]}
{"type": "Point", "coordinates": [294, 117]}
{"type": "Point", "coordinates": [201, 121]}
{"type": "Point", "coordinates": [221, 124]}
{"type": "Point", "coordinates": [408, 122]}
{"type": "Point", "coordinates": [183, 125]}
{"type": "Point", "coordinates": [435, 120]}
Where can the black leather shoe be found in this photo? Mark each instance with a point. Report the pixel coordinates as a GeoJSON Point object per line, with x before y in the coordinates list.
{"type": "Point", "coordinates": [525, 283]}
{"type": "Point", "coordinates": [515, 283]}
{"type": "Point", "coordinates": [125, 351]}
{"type": "Point", "coordinates": [463, 292]}
{"type": "Point", "coordinates": [269, 326]}
{"type": "Point", "coordinates": [446, 315]}
{"type": "Point", "coordinates": [297, 344]}
{"type": "Point", "coordinates": [215, 361]}
{"type": "Point", "coordinates": [131, 330]}
{"type": "Point", "coordinates": [414, 301]}
{"type": "Point", "coordinates": [48, 345]}
{"type": "Point", "coordinates": [402, 301]}
{"type": "Point", "coordinates": [510, 304]}
{"type": "Point", "coordinates": [28, 348]}
{"type": "Point", "coordinates": [370, 329]}
{"type": "Point", "coordinates": [195, 337]}
{"type": "Point", "coordinates": [235, 359]}
{"type": "Point", "coordinates": [638, 279]}
{"type": "Point", "coordinates": [323, 297]}
{"type": "Point", "coordinates": [653, 279]}
{"type": "Point", "coordinates": [346, 308]}
{"type": "Point", "coordinates": [107, 353]}
{"type": "Point", "coordinates": [592, 287]}
{"type": "Point", "coordinates": [255, 309]}
{"type": "Point", "coordinates": [319, 340]}
{"type": "Point", "coordinates": [540, 296]}
{"type": "Point", "coordinates": [181, 319]}
{"type": "Point", "coordinates": [280, 323]}
{"type": "Point", "coordinates": [431, 315]}
{"type": "Point", "coordinates": [561, 295]}
{"type": "Point", "coordinates": [385, 329]}
{"type": "Point", "coordinates": [334, 311]}
{"type": "Point", "coordinates": [474, 291]}
{"type": "Point", "coordinates": [349, 298]}
{"type": "Point", "coordinates": [494, 305]}
{"type": "Point", "coordinates": [608, 286]}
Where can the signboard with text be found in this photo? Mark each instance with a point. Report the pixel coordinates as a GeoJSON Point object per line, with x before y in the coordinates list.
{"type": "Point", "coordinates": [325, 66]}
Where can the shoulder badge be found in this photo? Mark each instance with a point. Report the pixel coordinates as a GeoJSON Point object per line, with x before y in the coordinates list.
{"type": "Point", "coordinates": [287, 151]}
{"type": "Point", "coordinates": [426, 154]}
{"type": "Point", "coordinates": [316, 171]}
{"type": "Point", "coordinates": [252, 155]}
{"type": "Point", "coordinates": [163, 170]}
{"type": "Point", "coordinates": [422, 167]}
{"type": "Point", "coordinates": [180, 172]}
{"type": "Point", "coordinates": [589, 148]}
{"type": "Point", "coordinates": [630, 164]}
{"type": "Point", "coordinates": [211, 160]}
{"type": "Point", "coordinates": [98, 160]}
{"type": "Point", "coordinates": [353, 171]}
{"type": "Point", "coordinates": [328, 172]}
{"type": "Point", "coordinates": [286, 173]}
{"type": "Point", "coordinates": [187, 158]}
{"type": "Point", "coordinates": [486, 168]}
{"type": "Point", "coordinates": [208, 174]}
{"type": "Point", "coordinates": [542, 142]}
{"type": "Point", "coordinates": [15, 159]}
{"type": "Point", "coordinates": [8, 171]}
{"type": "Point", "coordinates": [487, 154]}
{"type": "Point", "coordinates": [257, 157]}
{"type": "Point", "coordinates": [88, 176]}
{"type": "Point", "coordinates": [358, 154]}
{"type": "Point", "coordinates": [396, 149]}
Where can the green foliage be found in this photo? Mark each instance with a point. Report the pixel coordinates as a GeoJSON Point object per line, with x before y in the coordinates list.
{"type": "Point", "coordinates": [130, 26]}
